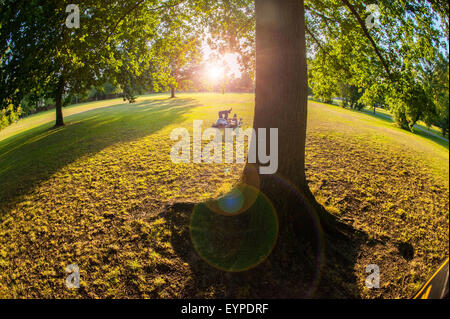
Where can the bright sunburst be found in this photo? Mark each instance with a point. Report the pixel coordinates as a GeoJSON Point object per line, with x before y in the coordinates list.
{"type": "Point", "coordinates": [214, 72]}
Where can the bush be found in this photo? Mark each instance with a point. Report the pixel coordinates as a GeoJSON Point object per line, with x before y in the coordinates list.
{"type": "Point", "coordinates": [9, 115]}
{"type": "Point", "coordinates": [411, 103]}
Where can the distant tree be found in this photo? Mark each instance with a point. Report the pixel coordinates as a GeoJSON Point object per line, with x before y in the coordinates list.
{"type": "Point", "coordinates": [323, 80]}
{"type": "Point", "coordinates": [231, 28]}
{"type": "Point", "coordinates": [42, 56]}
{"type": "Point", "coordinates": [436, 81]}
{"type": "Point", "coordinates": [351, 95]}
{"type": "Point", "coordinates": [383, 60]}
{"type": "Point", "coordinates": [176, 51]}
{"type": "Point", "coordinates": [245, 82]}
{"type": "Point", "coordinates": [9, 115]}
{"type": "Point", "coordinates": [410, 102]}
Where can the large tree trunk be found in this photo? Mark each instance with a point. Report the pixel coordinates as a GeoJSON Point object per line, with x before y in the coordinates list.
{"type": "Point", "coordinates": [59, 98]}
{"type": "Point", "coordinates": [172, 92]}
{"type": "Point", "coordinates": [281, 102]}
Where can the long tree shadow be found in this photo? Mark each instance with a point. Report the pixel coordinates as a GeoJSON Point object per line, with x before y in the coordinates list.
{"type": "Point", "coordinates": [304, 273]}
{"type": "Point", "coordinates": [32, 156]}
{"type": "Point", "coordinates": [417, 129]}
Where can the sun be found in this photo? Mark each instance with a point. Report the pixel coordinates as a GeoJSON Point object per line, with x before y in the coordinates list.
{"type": "Point", "coordinates": [214, 72]}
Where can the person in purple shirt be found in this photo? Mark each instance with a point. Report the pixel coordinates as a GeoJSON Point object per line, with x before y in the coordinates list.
{"type": "Point", "coordinates": [225, 113]}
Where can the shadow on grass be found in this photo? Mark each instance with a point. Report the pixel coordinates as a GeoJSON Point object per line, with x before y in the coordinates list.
{"type": "Point", "coordinates": [297, 274]}
{"type": "Point", "coordinates": [32, 156]}
{"type": "Point", "coordinates": [387, 119]}
{"type": "Point", "coordinates": [421, 131]}
{"type": "Point", "coordinates": [431, 137]}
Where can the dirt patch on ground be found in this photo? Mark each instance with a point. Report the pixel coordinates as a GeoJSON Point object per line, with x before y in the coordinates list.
{"type": "Point", "coordinates": [393, 198]}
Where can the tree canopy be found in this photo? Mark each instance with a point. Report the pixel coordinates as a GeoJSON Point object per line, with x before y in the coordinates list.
{"type": "Point", "coordinates": [368, 55]}
{"type": "Point", "coordinates": [385, 61]}
{"type": "Point", "coordinates": [42, 56]}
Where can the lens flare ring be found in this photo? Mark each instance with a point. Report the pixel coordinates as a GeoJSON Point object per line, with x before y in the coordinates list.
{"type": "Point", "coordinates": [237, 239]}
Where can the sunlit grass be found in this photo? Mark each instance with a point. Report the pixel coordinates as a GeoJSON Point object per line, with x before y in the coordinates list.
{"type": "Point", "coordinates": [91, 193]}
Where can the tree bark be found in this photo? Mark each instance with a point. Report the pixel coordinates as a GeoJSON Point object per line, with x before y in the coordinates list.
{"type": "Point", "coordinates": [281, 102]}
{"type": "Point", "coordinates": [172, 92]}
{"type": "Point", "coordinates": [59, 100]}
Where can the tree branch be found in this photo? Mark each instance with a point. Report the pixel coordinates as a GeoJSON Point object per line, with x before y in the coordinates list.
{"type": "Point", "coordinates": [121, 19]}
{"type": "Point", "coordinates": [319, 14]}
{"type": "Point", "coordinates": [325, 18]}
{"type": "Point", "coordinates": [343, 67]}
{"type": "Point", "coordinates": [368, 36]}
{"type": "Point", "coordinates": [131, 10]}
{"type": "Point", "coordinates": [315, 39]}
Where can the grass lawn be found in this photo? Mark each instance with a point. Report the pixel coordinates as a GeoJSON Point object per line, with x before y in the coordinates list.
{"type": "Point", "coordinates": [93, 193]}
{"type": "Point", "coordinates": [421, 128]}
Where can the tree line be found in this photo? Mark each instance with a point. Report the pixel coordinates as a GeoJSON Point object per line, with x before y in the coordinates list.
{"type": "Point", "coordinates": [399, 63]}
{"type": "Point", "coordinates": [124, 49]}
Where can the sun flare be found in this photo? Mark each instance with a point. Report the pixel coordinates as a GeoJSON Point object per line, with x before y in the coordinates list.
{"type": "Point", "coordinates": [214, 72]}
